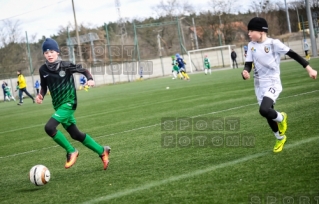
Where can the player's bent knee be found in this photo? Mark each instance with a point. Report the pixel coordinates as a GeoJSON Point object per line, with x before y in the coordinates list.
{"type": "Point", "coordinates": [50, 127]}
{"type": "Point", "coordinates": [50, 130]}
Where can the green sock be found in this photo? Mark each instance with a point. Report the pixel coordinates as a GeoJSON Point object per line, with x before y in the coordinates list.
{"type": "Point", "coordinates": [91, 144]}
{"type": "Point", "coordinates": [63, 142]}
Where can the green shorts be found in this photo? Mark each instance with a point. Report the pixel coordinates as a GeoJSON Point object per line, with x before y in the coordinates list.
{"type": "Point", "coordinates": [64, 115]}
{"type": "Point", "coordinates": [175, 68]}
{"type": "Point", "coordinates": [207, 66]}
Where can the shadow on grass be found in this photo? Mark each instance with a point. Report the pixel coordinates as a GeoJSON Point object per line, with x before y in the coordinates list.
{"type": "Point", "coordinates": [37, 188]}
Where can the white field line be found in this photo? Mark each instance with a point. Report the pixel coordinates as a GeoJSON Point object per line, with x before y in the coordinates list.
{"type": "Point", "coordinates": [150, 126]}
{"type": "Point", "coordinates": [198, 172]}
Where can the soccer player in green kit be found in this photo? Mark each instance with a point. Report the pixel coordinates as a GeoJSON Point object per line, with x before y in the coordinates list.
{"type": "Point", "coordinates": [175, 69]}
{"type": "Point", "coordinates": [207, 65]}
{"type": "Point", "coordinates": [57, 75]}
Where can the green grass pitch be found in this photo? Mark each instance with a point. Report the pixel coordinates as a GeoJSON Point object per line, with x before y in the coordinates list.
{"type": "Point", "coordinates": [144, 169]}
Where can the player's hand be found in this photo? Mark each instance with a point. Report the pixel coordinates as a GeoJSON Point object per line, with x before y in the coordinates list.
{"type": "Point", "coordinates": [312, 73]}
{"type": "Point", "coordinates": [39, 99]}
{"type": "Point", "coordinates": [246, 74]}
{"type": "Point", "coordinates": [91, 83]}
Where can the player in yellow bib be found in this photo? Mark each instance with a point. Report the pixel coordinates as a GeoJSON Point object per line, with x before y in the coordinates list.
{"type": "Point", "coordinates": [22, 88]}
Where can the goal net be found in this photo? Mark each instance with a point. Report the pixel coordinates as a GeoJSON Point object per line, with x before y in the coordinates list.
{"type": "Point", "coordinates": [219, 57]}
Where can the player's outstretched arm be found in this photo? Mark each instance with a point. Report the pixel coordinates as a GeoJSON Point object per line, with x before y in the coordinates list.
{"type": "Point", "coordinates": [90, 82]}
{"type": "Point", "coordinates": [312, 73]}
{"type": "Point", "coordinates": [79, 69]}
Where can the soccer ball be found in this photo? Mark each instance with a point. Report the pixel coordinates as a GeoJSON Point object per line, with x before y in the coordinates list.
{"type": "Point", "coordinates": [39, 175]}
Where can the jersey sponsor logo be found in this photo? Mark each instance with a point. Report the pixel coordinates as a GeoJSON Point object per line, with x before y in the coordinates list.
{"type": "Point", "coordinates": [62, 73]}
{"type": "Point", "coordinates": [45, 76]}
{"type": "Point", "coordinates": [267, 48]}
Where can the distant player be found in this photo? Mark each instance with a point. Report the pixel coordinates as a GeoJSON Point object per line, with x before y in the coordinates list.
{"type": "Point", "coordinates": [9, 96]}
{"type": "Point", "coordinates": [23, 87]}
{"type": "Point", "coordinates": [207, 65]}
{"type": "Point", "coordinates": [265, 53]}
{"type": "Point", "coordinates": [175, 69]}
{"type": "Point", "coordinates": [306, 49]}
{"type": "Point", "coordinates": [4, 84]}
{"type": "Point", "coordinates": [233, 56]}
{"type": "Point", "coordinates": [141, 74]}
{"type": "Point", "coordinates": [181, 66]}
{"type": "Point", "coordinates": [83, 83]}
{"type": "Point", "coordinates": [37, 86]}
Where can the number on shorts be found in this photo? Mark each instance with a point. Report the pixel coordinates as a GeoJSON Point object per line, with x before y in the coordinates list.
{"type": "Point", "coordinates": [272, 90]}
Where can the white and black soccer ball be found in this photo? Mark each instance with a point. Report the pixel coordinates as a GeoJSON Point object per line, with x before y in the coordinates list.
{"type": "Point", "coordinates": [39, 175]}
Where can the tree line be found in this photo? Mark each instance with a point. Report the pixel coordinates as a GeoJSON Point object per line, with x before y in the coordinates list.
{"type": "Point", "coordinates": [220, 24]}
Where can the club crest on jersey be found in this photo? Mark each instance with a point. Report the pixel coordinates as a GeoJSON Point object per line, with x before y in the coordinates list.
{"type": "Point", "coordinates": [62, 73]}
{"type": "Point", "coordinates": [253, 49]}
{"type": "Point", "coordinates": [267, 48]}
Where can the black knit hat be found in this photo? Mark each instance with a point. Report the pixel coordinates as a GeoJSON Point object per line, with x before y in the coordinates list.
{"type": "Point", "coordinates": [258, 24]}
{"type": "Point", "coordinates": [50, 44]}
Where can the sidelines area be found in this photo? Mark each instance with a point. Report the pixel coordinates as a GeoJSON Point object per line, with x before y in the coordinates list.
{"type": "Point", "coordinates": [144, 127]}
{"type": "Point", "coordinates": [194, 173]}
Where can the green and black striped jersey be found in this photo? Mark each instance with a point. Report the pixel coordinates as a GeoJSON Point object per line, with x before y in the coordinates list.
{"type": "Point", "coordinates": [61, 83]}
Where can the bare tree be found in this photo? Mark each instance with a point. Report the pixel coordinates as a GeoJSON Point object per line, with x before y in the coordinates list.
{"type": "Point", "coordinates": [10, 32]}
{"type": "Point", "coordinates": [314, 3]}
{"type": "Point", "coordinates": [263, 6]}
{"type": "Point", "coordinates": [223, 6]}
{"type": "Point", "coordinates": [173, 8]}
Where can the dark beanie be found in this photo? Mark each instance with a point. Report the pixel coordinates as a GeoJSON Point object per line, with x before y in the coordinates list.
{"type": "Point", "coordinates": [258, 24]}
{"type": "Point", "coordinates": [50, 44]}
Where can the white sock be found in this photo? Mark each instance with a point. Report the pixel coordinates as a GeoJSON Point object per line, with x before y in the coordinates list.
{"type": "Point", "coordinates": [174, 75]}
{"type": "Point", "coordinates": [279, 118]}
{"type": "Point", "coordinates": [210, 71]}
{"type": "Point", "coordinates": [205, 71]}
{"type": "Point", "coordinates": [277, 135]}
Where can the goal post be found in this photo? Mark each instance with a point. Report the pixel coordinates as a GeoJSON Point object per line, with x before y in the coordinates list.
{"type": "Point", "coordinates": [218, 56]}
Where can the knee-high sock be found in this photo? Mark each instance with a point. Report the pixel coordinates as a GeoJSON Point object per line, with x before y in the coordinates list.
{"type": "Point", "coordinates": [174, 75]}
{"type": "Point", "coordinates": [185, 75]}
{"type": "Point", "coordinates": [61, 140]}
{"type": "Point", "coordinates": [93, 145]}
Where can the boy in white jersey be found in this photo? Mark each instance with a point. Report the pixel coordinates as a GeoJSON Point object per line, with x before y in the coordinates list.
{"type": "Point", "coordinates": [265, 53]}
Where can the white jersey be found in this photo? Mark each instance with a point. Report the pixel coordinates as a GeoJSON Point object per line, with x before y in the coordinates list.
{"type": "Point", "coordinates": [305, 46]}
{"type": "Point", "coordinates": [266, 58]}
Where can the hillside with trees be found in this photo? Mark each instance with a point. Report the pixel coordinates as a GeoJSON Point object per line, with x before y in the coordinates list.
{"type": "Point", "coordinates": [219, 24]}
